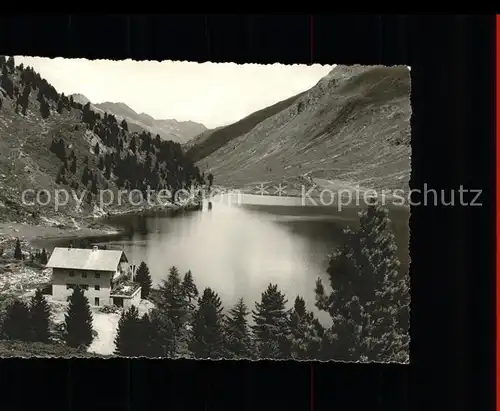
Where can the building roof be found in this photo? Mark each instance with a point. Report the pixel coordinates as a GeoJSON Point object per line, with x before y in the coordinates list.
{"type": "Point", "coordinates": [85, 259]}
{"type": "Point", "coordinates": [126, 290]}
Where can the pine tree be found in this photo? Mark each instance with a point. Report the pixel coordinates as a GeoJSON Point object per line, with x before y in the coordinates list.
{"type": "Point", "coordinates": [171, 312]}
{"type": "Point", "coordinates": [11, 65]}
{"type": "Point", "coordinates": [151, 338]}
{"type": "Point", "coordinates": [189, 289]}
{"type": "Point", "coordinates": [163, 341]}
{"type": "Point", "coordinates": [369, 298]}
{"type": "Point", "coordinates": [85, 176]}
{"type": "Point", "coordinates": [78, 320]}
{"type": "Point", "coordinates": [17, 322]}
{"type": "Point", "coordinates": [72, 167]}
{"type": "Point", "coordinates": [44, 107]}
{"type": "Point", "coordinates": [6, 82]}
{"type": "Point", "coordinates": [143, 277]}
{"type": "Point", "coordinates": [18, 254]}
{"type": "Point", "coordinates": [93, 186]}
{"type": "Point", "coordinates": [237, 332]}
{"type": "Point", "coordinates": [124, 125]}
{"type": "Point", "coordinates": [210, 178]}
{"type": "Point", "coordinates": [171, 298]}
{"type": "Point", "coordinates": [60, 106]}
{"type": "Point", "coordinates": [40, 317]}
{"type": "Point", "coordinates": [271, 327]}
{"type": "Point", "coordinates": [306, 332]}
{"type": "Point", "coordinates": [389, 309]}
{"type": "Point", "coordinates": [129, 340]}
{"type": "Point", "coordinates": [133, 145]}
{"type": "Point", "coordinates": [96, 149]}
{"type": "Point", "coordinates": [207, 333]}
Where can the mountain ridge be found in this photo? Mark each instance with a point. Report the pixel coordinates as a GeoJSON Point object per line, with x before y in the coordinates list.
{"type": "Point", "coordinates": [353, 127]}
{"type": "Point", "coordinates": [52, 143]}
{"type": "Point", "coordinates": [167, 129]}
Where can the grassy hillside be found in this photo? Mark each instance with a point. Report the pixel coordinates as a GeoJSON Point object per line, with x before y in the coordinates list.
{"type": "Point", "coordinates": [49, 141]}
{"type": "Point", "coordinates": [353, 126]}
{"type": "Point", "coordinates": [211, 140]}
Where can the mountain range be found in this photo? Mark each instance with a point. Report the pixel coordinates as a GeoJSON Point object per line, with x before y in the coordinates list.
{"type": "Point", "coordinates": [352, 127]}
{"type": "Point", "coordinates": [49, 142]}
{"type": "Point", "coordinates": [178, 131]}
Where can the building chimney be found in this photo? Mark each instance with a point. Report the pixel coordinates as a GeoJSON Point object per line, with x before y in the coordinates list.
{"type": "Point", "coordinates": [95, 248]}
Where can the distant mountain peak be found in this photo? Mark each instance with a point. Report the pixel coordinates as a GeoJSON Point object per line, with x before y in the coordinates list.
{"type": "Point", "coordinates": [80, 98]}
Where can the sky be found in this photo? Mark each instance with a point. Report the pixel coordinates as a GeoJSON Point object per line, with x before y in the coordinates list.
{"type": "Point", "coordinates": [209, 93]}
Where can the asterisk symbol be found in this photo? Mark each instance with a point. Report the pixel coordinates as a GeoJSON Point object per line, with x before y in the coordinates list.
{"type": "Point", "coordinates": [280, 190]}
{"type": "Point", "coordinates": [261, 189]}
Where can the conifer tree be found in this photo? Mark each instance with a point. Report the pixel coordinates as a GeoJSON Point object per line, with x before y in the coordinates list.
{"type": "Point", "coordinates": [44, 109]}
{"type": "Point", "coordinates": [16, 324]}
{"type": "Point", "coordinates": [237, 332]}
{"type": "Point", "coordinates": [78, 320]}
{"type": "Point", "coordinates": [171, 298]}
{"type": "Point", "coordinates": [11, 65]}
{"type": "Point", "coordinates": [369, 298]}
{"type": "Point", "coordinates": [271, 329]}
{"type": "Point", "coordinates": [189, 289]}
{"type": "Point", "coordinates": [40, 317]}
{"type": "Point", "coordinates": [129, 340]}
{"type": "Point", "coordinates": [143, 277]}
{"type": "Point", "coordinates": [163, 341]}
{"type": "Point", "coordinates": [207, 333]}
{"type": "Point", "coordinates": [305, 332]}
{"type": "Point", "coordinates": [133, 145]}
{"type": "Point", "coordinates": [18, 254]}
{"type": "Point", "coordinates": [124, 125]}
{"type": "Point", "coordinates": [171, 312]}
{"type": "Point", "coordinates": [96, 149]}
{"type": "Point", "coordinates": [151, 337]}
{"type": "Point", "coordinates": [72, 167]}
{"type": "Point", "coordinates": [6, 82]}
{"type": "Point", "coordinates": [43, 257]}
{"type": "Point", "coordinates": [93, 187]}
{"type": "Point", "coordinates": [85, 176]}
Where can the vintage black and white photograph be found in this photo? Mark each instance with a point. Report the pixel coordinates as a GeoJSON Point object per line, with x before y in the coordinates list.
{"type": "Point", "coordinates": [204, 210]}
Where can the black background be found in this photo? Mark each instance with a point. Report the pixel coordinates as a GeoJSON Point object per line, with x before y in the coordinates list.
{"type": "Point", "coordinates": [452, 249]}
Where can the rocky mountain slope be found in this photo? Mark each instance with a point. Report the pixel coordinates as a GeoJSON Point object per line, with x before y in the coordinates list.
{"type": "Point", "coordinates": [49, 142]}
{"type": "Point", "coordinates": [178, 131]}
{"type": "Point", "coordinates": [353, 127]}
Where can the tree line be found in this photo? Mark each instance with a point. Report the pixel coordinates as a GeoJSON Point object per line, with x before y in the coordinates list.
{"type": "Point", "coordinates": [120, 158]}
{"type": "Point", "coordinates": [367, 300]}
{"type": "Point", "coordinates": [31, 322]}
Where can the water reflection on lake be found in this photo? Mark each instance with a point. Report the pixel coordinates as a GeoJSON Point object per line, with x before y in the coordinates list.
{"type": "Point", "coordinates": [239, 250]}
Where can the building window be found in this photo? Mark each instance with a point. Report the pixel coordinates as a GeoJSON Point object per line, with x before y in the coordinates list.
{"type": "Point", "coordinates": [96, 301]}
{"type": "Point", "coordinates": [97, 275]}
{"type": "Point", "coordinates": [84, 287]}
{"type": "Point", "coordinates": [84, 275]}
{"type": "Point", "coordinates": [71, 273]}
{"type": "Point", "coordinates": [97, 287]}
